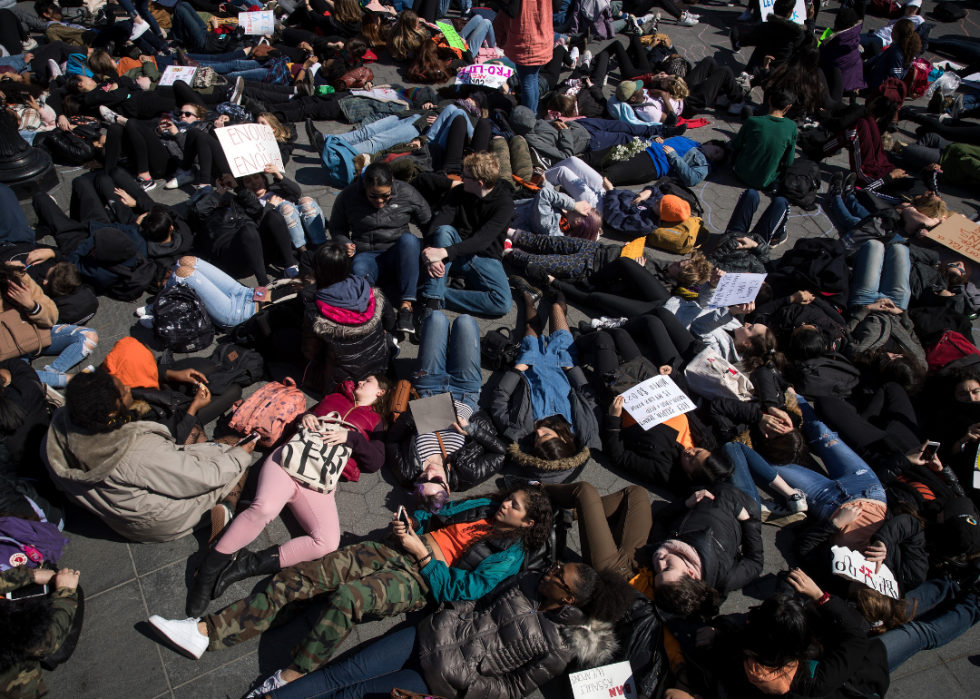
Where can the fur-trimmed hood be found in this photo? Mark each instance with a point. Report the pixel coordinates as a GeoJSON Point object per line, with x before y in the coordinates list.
{"type": "Point", "coordinates": [593, 643]}
{"type": "Point", "coordinates": [536, 463]}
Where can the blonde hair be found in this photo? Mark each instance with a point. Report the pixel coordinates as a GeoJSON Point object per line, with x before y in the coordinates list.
{"type": "Point", "coordinates": [933, 208]}
{"type": "Point", "coordinates": [406, 36]}
{"type": "Point", "coordinates": [281, 132]}
{"type": "Point", "coordinates": [677, 87]}
{"type": "Point", "coordinates": [696, 271]}
{"type": "Point", "coordinates": [484, 167]}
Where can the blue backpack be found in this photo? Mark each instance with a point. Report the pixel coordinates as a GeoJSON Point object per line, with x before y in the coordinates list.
{"type": "Point", "coordinates": [338, 160]}
{"type": "Point", "coordinates": [77, 65]}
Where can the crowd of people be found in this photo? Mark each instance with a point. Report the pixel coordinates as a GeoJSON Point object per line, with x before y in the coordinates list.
{"type": "Point", "coordinates": [839, 401]}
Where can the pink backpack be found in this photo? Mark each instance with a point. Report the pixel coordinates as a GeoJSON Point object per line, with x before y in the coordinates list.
{"type": "Point", "coordinates": [917, 77]}
{"type": "Point", "coordinates": [269, 411]}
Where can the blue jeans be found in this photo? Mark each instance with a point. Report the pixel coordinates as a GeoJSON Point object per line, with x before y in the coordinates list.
{"type": "Point", "coordinates": [750, 468]}
{"type": "Point", "coordinates": [475, 31]}
{"type": "Point", "coordinates": [439, 130]}
{"type": "Point", "coordinates": [228, 302]}
{"type": "Point", "coordinates": [489, 292]}
{"type": "Point", "coordinates": [72, 344]}
{"type": "Point", "coordinates": [449, 362]}
{"type": "Point", "coordinates": [400, 260]}
{"type": "Point", "coordinates": [530, 93]}
{"type": "Point", "coordinates": [848, 212]}
{"type": "Point", "coordinates": [256, 74]}
{"type": "Point", "coordinates": [381, 134]}
{"type": "Point", "coordinates": [15, 62]}
{"type": "Point", "coordinates": [205, 59]}
{"type": "Point", "coordinates": [239, 66]}
{"type": "Point", "coordinates": [771, 227]}
{"type": "Point", "coordinates": [881, 273]}
{"type": "Point", "coordinates": [932, 630]}
{"type": "Point", "coordinates": [188, 27]}
{"type": "Point", "coordinates": [850, 477]}
{"type": "Point", "coordinates": [303, 220]}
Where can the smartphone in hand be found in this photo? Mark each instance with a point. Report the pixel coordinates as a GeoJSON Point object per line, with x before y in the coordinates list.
{"type": "Point", "coordinates": [932, 448]}
{"type": "Point", "coordinates": [245, 440]}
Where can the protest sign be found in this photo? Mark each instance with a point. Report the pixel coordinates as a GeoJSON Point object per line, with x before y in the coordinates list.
{"type": "Point", "coordinates": [488, 74]}
{"type": "Point", "coordinates": [249, 148]}
{"type": "Point", "coordinates": [257, 22]}
{"type": "Point", "coordinates": [656, 400]}
{"type": "Point", "coordinates": [853, 566]}
{"type": "Point", "coordinates": [799, 12]}
{"type": "Point", "coordinates": [614, 680]}
{"type": "Point", "coordinates": [737, 288]}
{"type": "Point", "coordinates": [959, 234]}
{"type": "Point", "coordinates": [174, 73]}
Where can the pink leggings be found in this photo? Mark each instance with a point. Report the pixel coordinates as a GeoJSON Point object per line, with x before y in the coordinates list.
{"type": "Point", "coordinates": [315, 512]}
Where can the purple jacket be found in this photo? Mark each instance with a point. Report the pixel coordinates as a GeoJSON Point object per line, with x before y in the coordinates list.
{"type": "Point", "coordinates": [841, 51]}
{"type": "Point", "coordinates": [23, 542]}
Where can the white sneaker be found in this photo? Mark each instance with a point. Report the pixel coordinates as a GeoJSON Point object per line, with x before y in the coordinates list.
{"type": "Point", "coordinates": [573, 56]}
{"type": "Point", "coordinates": [586, 62]}
{"type": "Point", "coordinates": [647, 18]}
{"type": "Point", "coordinates": [54, 68]}
{"type": "Point", "coordinates": [797, 501]}
{"type": "Point", "coordinates": [182, 635]}
{"type": "Point", "coordinates": [147, 322]}
{"type": "Point", "coordinates": [180, 178]}
{"type": "Point", "coordinates": [30, 44]}
{"type": "Point", "coordinates": [745, 16]}
{"type": "Point", "coordinates": [108, 115]}
{"type": "Point", "coordinates": [686, 20]}
{"type": "Point", "coordinates": [273, 683]}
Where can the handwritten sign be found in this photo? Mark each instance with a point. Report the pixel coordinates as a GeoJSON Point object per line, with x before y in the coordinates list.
{"type": "Point", "coordinates": [799, 12]}
{"type": "Point", "coordinates": [614, 680]}
{"type": "Point", "coordinates": [656, 400]}
{"type": "Point", "coordinates": [174, 73]}
{"type": "Point", "coordinates": [489, 74]}
{"type": "Point", "coordinates": [853, 566]}
{"type": "Point", "coordinates": [249, 148]}
{"type": "Point", "coordinates": [737, 288]}
{"type": "Point", "coordinates": [257, 22]}
{"type": "Point", "coordinates": [959, 234]}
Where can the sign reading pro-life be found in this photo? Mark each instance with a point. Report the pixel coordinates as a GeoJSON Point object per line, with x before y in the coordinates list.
{"type": "Point", "coordinates": [249, 148]}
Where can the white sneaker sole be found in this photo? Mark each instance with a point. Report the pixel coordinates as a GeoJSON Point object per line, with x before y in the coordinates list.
{"type": "Point", "coordinates": [164, 636]}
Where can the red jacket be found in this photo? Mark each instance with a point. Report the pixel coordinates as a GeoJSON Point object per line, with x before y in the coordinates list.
{"type": "Point", "coordinates": [368, 441]}
{"type": "Point", "coordinates": [529, 38]}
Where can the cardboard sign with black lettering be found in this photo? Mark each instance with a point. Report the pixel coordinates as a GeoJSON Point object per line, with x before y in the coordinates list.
{"type": "Point", "coordinates": [249, 148]}
{"type": "Point", "coordinates": [959, 234]}
{"type": "Point", "coordinates": [854, 566]}
{"type": "Point", "coordinates": [614, 680]}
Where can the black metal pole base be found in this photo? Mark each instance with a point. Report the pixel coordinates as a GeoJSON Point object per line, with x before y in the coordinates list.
{"type": "Point", "coordinates": [35, 173]}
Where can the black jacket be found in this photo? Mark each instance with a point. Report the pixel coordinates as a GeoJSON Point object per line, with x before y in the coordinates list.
{"type": "Point", "coordinates": [223, 215]}
{"type": "Point", "coordinates": [901, 534]}
{"type": "Point", "coordinates": [777, 37]}
{"type": "Point", "coordinates": [730, 550]}
{"type": "Point", "coordinates": [480, 457]}
{"type": "Point", "coordinates": [481, 223]}
{"type": "Point", "coordinates": [354, 220]}
{"type": "Point", "coordinates": [27, 392]}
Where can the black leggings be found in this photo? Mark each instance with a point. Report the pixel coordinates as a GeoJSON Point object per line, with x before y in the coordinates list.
{"type": "Point", "coordinates": [551, 71]}
{"type": "Point", "coordinates": [452, 162]}
{"type": "Point", "coordinates": [647, 292]}
{"type": "Point", "coordinates": [637, 170]}
{"type": "Point", "coordinates": [888, 415]}
{"type": "Point", "coordinates": [674, 8]}
{"type": "Point", "coordinates": [210, 157]}
{"type": "Point", "coordinates": [252, 245]}
{"type": "Point", "coordinates": [706, 81]}
{"type": "Point", "coordinates": [94, 197]}
{"type": "Point", "coordinates": [962, 132]}
{"type": "Point", "coordinates": [317, 108]}
{"type": "Point", "coordinates": [632, 61]}
{"type": "Point", "coordinates": [427, 10]}
{"type": "Point", "coordinates": [11, 33]}
{"type": "Point", "coordinates": [142, 143]}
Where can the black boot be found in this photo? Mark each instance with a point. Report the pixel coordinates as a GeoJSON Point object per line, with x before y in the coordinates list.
{"type": "Point", "coordinates": [248, 565]}
{"type": "Point", "coordinates": [200, 595]}
{"type": "Point", "coordinates": [952, 481]}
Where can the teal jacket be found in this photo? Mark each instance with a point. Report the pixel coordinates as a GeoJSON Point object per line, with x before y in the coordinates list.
{"type": "Point", "coordinates": [448, 584]}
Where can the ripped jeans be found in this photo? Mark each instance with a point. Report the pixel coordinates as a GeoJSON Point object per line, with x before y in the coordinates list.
{"type": "Point", "coordinates": [850, 477]}
{"type": "Point", "coordinates": [305, 222]}
{"type": "Point", "coordinates": [72, 344]}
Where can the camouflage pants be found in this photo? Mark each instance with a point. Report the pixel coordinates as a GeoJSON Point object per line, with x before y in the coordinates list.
{"type": "Point", "coordinates": [363, 581]}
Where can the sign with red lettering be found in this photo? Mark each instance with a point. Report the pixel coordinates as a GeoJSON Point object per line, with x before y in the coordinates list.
{"type": "Point", "coordinates": [249, 148]}
{"type": "Point", "coordinates": [959, 234]}
{"type": "Point", "coordinates": [604, 682]}
{"type": "Point", "coordinates": [853, 566]}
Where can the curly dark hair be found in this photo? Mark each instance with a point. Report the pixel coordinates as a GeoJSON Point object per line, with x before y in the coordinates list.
{"type": "Point", "coordinates": [778, 631]}
{"type": "Point", "coordinates": [93, 403]}
{"type": "Point", "coordinates": [603, 594]}
{"type": "Point", "coordinates": [905, 36]}
{"type": "Point", "coordinates": [689, 598]}
{"type": "Point", "coordinates": [538, 509]}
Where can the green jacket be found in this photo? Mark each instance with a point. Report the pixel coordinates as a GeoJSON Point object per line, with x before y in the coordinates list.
{"type": "Point", "coordinates": [147, 70]}
{"type": "Point", "coordinates": [764, 147]}
{"type": "Point", "coordinates": [23, 679]}
{"type": "Point", "coordinates": [961, 164]}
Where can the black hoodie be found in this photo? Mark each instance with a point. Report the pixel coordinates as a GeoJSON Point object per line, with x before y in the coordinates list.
{"type": "Point", "coordinates": [481, 223]}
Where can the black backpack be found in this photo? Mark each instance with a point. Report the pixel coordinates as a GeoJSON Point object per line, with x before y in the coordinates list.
{"type": "Point", "coordinates": [234, 365]}
{"type": "Point", "coordinates": [181, 320]}
{"type": "Point", "coordinates": [670, 186]}
{"type": "Point", "coordinates": [801, 184]}
{"type": "Point", "coordinates": [948, 12]}
{"type": "Point", "coordinates": [830, 375]}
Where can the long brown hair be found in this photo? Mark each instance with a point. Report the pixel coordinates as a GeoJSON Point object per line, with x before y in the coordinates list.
{"type": "Point", "coordinates": [406, 36]}
{"type": "Point", "coordinates": [102, 64]}
{"type": "Point", "coordinates": [374, 30]}
{"type": "Point", "coordinates": [881, 611]}
{"type": "Point", "coordinates": [761, 352]}
{"type": "Point", "coordinates": [347, 11]}
{"type": "Point", "coordinates": [382, 404]}
{"type": "Point", "coordinates": [428, 66]}
{"type": "Point", "coordinates": [279, 131]}
{"type": "Point", "coordinates": [907, 39]}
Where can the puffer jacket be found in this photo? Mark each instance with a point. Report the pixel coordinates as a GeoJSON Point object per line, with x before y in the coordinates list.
{"type": "Point", "coordinates": [480, 457]}
{"type": "Point", "coordinates": [873, 330]}
{"type": "Point", "coordinates": [728, 257]}
{"type": "Point", "coordinates": [353, 220]}
{"type": "Point", "coordinates": [345, 352]}
{"type": "Point", "coordinates": [223, 215]}
{"type": "Point", "coordinates": [730, 551]}
{"type": "Point", "coordinates": [512, 414]}
{"type": "Point", "coordinates": [137, 479]}
{"type": "Point", "coordinates": [505, 647]}
{"type": "Point", "coordinates": [841, 51]}
{"type": "Point", "coordinates": [367, 442]}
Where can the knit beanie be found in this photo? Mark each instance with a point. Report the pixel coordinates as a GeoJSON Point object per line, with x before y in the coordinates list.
{"type": "Point", "coordinates": [673, 209]}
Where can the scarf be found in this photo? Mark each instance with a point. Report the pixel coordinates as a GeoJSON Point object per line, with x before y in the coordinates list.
{"type": "Point", "coordinates": [775, 681]}
{"type": "Point", "coordinates": [352, 294]}
{"type": "Point", "coordinates": [685, 551]}
{"type": "Point", "coordinates": [469, 108]}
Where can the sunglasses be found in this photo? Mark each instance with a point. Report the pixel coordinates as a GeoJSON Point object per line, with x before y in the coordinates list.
{"type": "Point", "coordinates": [557, 572]}
{"type": "Point", "coordinates": [187, 114]}
{"type": "Point", "coordinates": [381, 197]}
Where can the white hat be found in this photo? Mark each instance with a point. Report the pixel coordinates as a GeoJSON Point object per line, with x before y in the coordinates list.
{"type": "Point", "coordinates": [914, 3]}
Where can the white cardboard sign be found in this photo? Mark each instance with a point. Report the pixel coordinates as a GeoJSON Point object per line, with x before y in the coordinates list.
{"type": "Point", "coordinates": [614, 680]}
{"type": "Point", "coordinates": [489, 74]}
{"type": "Point", "coordinates": [736, 288]}
{"type": "Point", "coordinates": [799, 12]}
{"type": "Point", "coordinates": [174, 73]}
{"type": "Point", "coordinates": [853, 566]}
{"type": "Point", "coordinates": [656, 400]}
{"type": "Point", "coordinates": [257, 22]}
{"type": "Point", "coordinates": [249, 148]}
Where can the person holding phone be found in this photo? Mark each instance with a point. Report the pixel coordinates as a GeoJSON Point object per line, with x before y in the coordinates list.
{"type": "Point", "coordinates": [34, 626]}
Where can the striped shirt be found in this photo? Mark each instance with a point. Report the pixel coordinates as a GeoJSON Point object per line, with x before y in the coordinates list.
{"type": "Point", "coordinates": [427, 445]}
